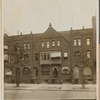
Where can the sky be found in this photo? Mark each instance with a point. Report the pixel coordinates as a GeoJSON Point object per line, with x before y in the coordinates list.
{"type": "Point", "coordinates": [35, 15]}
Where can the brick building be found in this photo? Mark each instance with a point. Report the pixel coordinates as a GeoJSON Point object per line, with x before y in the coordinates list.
{"type": "Point", "coordinates": [53, 56]}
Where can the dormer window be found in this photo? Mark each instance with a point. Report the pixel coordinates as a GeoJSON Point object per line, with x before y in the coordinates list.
{"type": "Point", "coordinates": [58, 43]}
{"type": "Point", "coordinates": [42, 44]}
{"type": "Point", "coordinates": [53, 43]}
{"type": "Point", "coordinates": [48, 44]}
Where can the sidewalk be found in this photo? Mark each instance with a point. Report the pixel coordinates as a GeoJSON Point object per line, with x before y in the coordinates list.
{"type": "Point", "coordinates": [51, 87]}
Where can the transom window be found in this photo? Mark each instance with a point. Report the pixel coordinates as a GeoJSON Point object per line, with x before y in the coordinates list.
{"type": "Point", "coordinates": [88, 41]}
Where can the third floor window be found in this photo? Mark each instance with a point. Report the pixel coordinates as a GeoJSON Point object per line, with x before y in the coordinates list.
{"type": "Point", "coordinates": [75, 42]}
{"type": "Point", "coordinates": [58, 43]}
{"type": "Point", "coordinates": [53, 43]}
{"type": "Point", "coordinates": [79, 42]}
{"type": "Point", "coordinates": [88, 41]}
{"type": "Point", "coordinates": [48, 44]}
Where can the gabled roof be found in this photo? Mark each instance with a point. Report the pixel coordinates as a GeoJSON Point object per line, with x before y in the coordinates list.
{"type": "Point", "coordinates": [50, 33]}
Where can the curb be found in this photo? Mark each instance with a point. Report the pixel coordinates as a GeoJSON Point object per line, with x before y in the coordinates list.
{"type": "Point", "coordinates": [52, 89]}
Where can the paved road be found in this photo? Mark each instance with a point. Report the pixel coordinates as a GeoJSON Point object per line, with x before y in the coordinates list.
{"type": "Point", "coordinates": [47, 95]}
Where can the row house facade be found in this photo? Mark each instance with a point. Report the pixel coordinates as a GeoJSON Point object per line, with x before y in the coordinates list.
{"type": "Point", "coordinates": [53, 57]}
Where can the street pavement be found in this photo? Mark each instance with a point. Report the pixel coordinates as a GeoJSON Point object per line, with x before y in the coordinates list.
{"type": "Point", "coordinates": [56, 87]}
{"type": "Point", "coordinates": [49, 92]}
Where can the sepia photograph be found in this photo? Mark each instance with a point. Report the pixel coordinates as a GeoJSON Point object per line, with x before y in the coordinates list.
{"type": "Point", "coordinates": [49, 49]}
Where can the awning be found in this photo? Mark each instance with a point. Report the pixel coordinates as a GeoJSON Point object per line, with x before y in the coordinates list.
{"type": "Point", "coordinates": [66, 70]}
{"type": "Point", "coordinates": [9, 73]}
{"type": "Point", "coordinates": [55, 54]}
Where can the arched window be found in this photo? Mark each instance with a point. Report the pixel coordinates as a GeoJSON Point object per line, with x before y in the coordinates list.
{"type": "Point", "coordinates": [26, 57]}
{"type": "Point", "coordinates": [77, 54]}
{"type": "Point", "coordinates": [88, 41]}
{"type": "Point", "coordinates": [6, 47]}
{"type": "Point", "coordinates": [42, 44]}
{"type": "Point", "coordinates": [55, 72]}
{"type": "Point", "coordinates": [88, 54]}
{"type": "Point", "coordinates": [75, 42]}
{"type": "Point", "coordinates": [58, 43]}
{"type": "Point", "coordinates": [87, 71]}
{"type": "Point", "coordinates": [26, 71]}
{"type": "Point", "coordinates": [48, 44]}
{"type": "Point", "coordinates": [79, 42]}
{"type": "Point", "coordinates": [53, 43]}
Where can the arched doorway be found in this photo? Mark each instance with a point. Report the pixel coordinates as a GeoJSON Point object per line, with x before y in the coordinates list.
{"type": "Point", "coordinates": [76, 74]}
{"type": "Point", "coordinates": [26, 73]}
{"type": "Point", "coordinates": [55, 72]}
{"type": "Point", "coordinates": [88, 74]}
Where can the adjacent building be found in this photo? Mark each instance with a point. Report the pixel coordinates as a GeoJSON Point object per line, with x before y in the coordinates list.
{"type": "Point", "coordinates": [53, 57]}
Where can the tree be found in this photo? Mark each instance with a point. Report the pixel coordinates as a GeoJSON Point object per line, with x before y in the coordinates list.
{"type": "Point", "coordinates": [17, 56]}
{"type": "Point", "coordinates": [85, 61]}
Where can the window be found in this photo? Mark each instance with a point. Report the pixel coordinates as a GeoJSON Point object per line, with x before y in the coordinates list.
{"type": "Point", "coordinates": [6, 57]}
{"type": "Point", "coordinates": [6, 47]}
{"type": "Point", "coordinates": [53, 43]}
{"type": "Point", "coordinates": [65, 55]}
{"type": "Point", "coordinates": [36, 56]}
{"type": "Point", "coordinates": [24, 46]}
{"type": "Point", "coordinates": [44, 56]}
{"type": "Point", "coordinates": [48, 56]}
{"type": "Point", "coordinates": [79, 42]}
{"type": "Point", "coordinates": [26, 57]}
{"type": "Point", "coordinates": [41, 56]}
{"type": "Point", "coordinates": [48, 45]}
{"type": "Point", "coordinates": [88, 42]}
{"type": "Point", "coordinates": [75, 42]}
{"type": "Point", "coordinates": [88, 54]}
{"type": "Point", "coordinates": [58, 43]}
{"type": "Point", "coordinates": [26, 71]}
{"type": "Point", "coordinates": [42, 44]}
{"type": "Point", "coordinates": [28, 45]}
